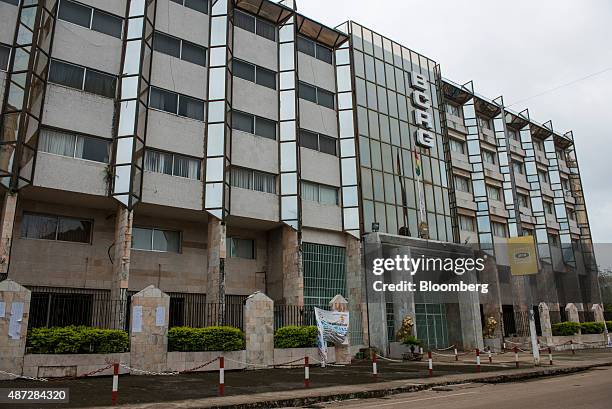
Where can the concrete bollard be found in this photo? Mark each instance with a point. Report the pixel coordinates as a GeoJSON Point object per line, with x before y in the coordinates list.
{"type": "Point", "coordinates": [306, 373]}
{"type": "Point", "coordinates": [456, 355]}
{"type": "Point", "coordinates": [477, 360]}
{"type": "Point", "coordinates": [516, 358]}
{"type": "Point", "coordinates": [550, 355]}
{"type": "Point", "coordinates": [374, 368]}
{"type": "Point", "coordinates": [221, 376]}
{"type": "Point", "coordinates": [430, 363]}
{"type": "Point", "coordinates": [490, 356]}
{"type": "Point", "coordinates": [115, 392]}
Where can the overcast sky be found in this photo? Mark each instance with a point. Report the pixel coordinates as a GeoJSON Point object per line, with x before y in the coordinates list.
{"type": "Point", "coordinates": [518, 49]}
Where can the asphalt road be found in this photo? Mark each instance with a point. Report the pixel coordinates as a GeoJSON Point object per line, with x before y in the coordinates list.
{"type": "Point", "coordinates": [585, 390]}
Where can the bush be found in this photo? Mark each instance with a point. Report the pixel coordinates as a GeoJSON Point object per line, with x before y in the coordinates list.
{"type": "Point", "coordinates": [205, 339]}
{"type": "Point", "coordinates": [76, 340]}
{"type": "Point", "coordinates": [412, 340]}
{"type": "Point", "coordinates": [592, 327]}
{"type": "Point", "coordinates": [565, 328]}
{"type": "Point", "coordinates": [296, 337]}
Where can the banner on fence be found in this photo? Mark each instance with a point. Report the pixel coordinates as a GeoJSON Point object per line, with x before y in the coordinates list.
{"type": "Point", "coordinates": [332, 327]}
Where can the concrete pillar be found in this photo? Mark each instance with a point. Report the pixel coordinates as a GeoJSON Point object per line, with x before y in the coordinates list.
{"type": "Point", "coordinates": [376, 301]}
{"type": "Point", "coordinates": [343, 354]}
{"type": "Point", "coordinates": [491, 302]}
{"type": "Point", "coordinates": [598, 312]}
{"type": "Point", "coordinates": [121, 265]}
{"type": "Point", "coordinates": [355, 286]}
{"type": "Point", "coordinates": [259, 329]}
{"type": "Point", "coordinates": [149, 330]}
{"type": "Point", "coordinates": [215, 280]}
{"type": "Point", "coordinates": [469, 312]}
{"type": "Point", "coordinates": [402, 301]}
{"type": "Point", "coordinates": [14, 314]}
{"type": "Point", "coordinates": [7, 220]}
{"type": "Point", "coordinates": [572, 313]}
{"type": "Point", "coordinates": [293, 277]}
{"type": "Point", "coordinates": [545, 323]}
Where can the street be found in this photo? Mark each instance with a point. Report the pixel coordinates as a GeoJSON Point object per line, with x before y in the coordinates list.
{"type": "Point", "coordinates": [586, 390]}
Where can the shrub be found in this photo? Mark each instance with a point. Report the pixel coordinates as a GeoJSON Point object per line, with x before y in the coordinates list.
{"type": "Point", "coordinates": [565, 328]}
{"type": "Point", "coordinates": [412, 340]}
{"type": "Point", "coordinates": [296, 337]}
{"type": "Point", "coordinates": [76, 340]}
{"type": "Point", "coordinates": [205, 339]}
{"type": "Point", "coordinates": [592, 327]}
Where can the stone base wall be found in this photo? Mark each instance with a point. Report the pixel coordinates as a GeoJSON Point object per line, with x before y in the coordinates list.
{"type": "Point", "coordinates": [182, 361]}
{"type": "Point", "coordinates": [283, 355]}
{"type": "Point", "coordinates": [60, 365]}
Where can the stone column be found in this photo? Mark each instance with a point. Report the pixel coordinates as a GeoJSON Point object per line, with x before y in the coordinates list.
{"type": "Point", "coordinates": [149, 330]}
{"type": "Point", "coordinates": [259, 329]}
{"type": "Point", "coordinates": [598, 312]}
{"type": "Point", "coordinates": [355, 286]}
{"type": "Point", "coordinates": [572, 313]}
{"type": "Point", "coordinates": [121, 265]}
{"type": "Point", "coordinates": [293, 277]}
{"type": "Point", "coordinates": [7, 220]}
{"type": "Point", "coordinates": [545, 323]}
{"type": "Point", "coordinates": [14, 314]}
{"type": "Point", "coordinates": [215, 279]}
{"type": "Point", "coordinates": [343, 353]}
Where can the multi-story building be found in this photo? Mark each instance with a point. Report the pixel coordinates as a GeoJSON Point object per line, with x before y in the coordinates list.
{"type": "Point", "coordinates": [218, 148]}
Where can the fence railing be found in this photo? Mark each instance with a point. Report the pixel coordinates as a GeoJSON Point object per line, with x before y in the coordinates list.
{"type": "Point", "coordinates": [293, 315]}
{"type": "Point", "coordinates": [202, 314]}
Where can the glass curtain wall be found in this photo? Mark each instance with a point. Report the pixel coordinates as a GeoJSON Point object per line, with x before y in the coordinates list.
{"type": "Point", "coordinates": [219, 105]}
{"type": "Point", "coordinates": [399, 179]}
{"type": "Point", "coordinates": [133, 105]}
{"type": "Point", "coordinates": [25, 92]}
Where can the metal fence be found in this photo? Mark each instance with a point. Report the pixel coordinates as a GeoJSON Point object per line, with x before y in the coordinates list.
{"type": "Point", "coordinates": [293, 315]}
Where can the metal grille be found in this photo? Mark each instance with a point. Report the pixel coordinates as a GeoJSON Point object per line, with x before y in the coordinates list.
{"type": "Point", "coordinates": [285, 315]}
{"type": "Point", "coordinates": [324, 273]}
{"type": "Point", "coordinates": [431, 324]}
{"type": "Point", "coordinates": [192, 310]}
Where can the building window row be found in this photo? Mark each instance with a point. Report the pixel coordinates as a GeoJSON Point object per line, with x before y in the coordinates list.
{"type": "Point", "coordinates": [499, 229]}
{"type": "Point", "coordinates": [57, 228]}
{"type": "Point", "coordinates": [177, 104]}
{"type": "Point", "coordinates": [254, 73]}
{"type": "Point", "coordinates": [453, 109]}
{"type": "Point", "coordinates": [197, 5]}
{"type": "Point", "coordinates": [518, 167]}
{"type": "Point", "coordinates": [462, 184]}
{"type": "Point", "coordinates": [489, 157]}
{"type": "Point", "coordinates": [314, 49]}
{"type": "Point", "coordinates": [90, 18]}
{"type": "Point", "coordinates": [82, 78]}
{"type": "Point", "coordinates": [172, 164]}
{"type": "Point", "coordinates": [467, 223]}
{"type": "Point", "coordinates": [74, 145]}
{"type": "Point", "coordinates": [13, 2]}
{"type": "Point", "coordinates": [318, 142]}
{"type": "Point", "coordinates": [253, 180]}
{"type": "Point", "coordinates": [523, 200]}
{"type": "Point", "coordinates": [457, 146]}
{"type": "Point", "coordinates": [255, 25]}
{"type": "Point", "coordinates": [548, 208]}
{"type": "Point", "coordinates": [514, 135]}
{"type": "Point", "coordinates": [484, 123]}
{"type": "Point", "coordinates": [179, 48]}
{"type": "Point", "coordinates": [241, 248]}
{"type": "Point", "coordinates": [493, 192]}
{"type": "Point", "coordinates": [543, 176]}
{"type": "Point", "coordinates": [152, 239]}
{"type": "Point", "coordinates": [253, 124]}
{"type": "Point", "coordinates": [5, 57]}
{"type": "Point", "coordinates": [323, 194]}
{"type": "Point", "coordinates": [317, 95]}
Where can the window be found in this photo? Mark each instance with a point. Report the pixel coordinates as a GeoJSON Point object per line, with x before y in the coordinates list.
{"type": "Point", "coordinates": [548, 208]}
{"type": "Point", "coordinates": [543, 175]}
{"type": "Point", "coordinates": [523, 200]}
{"type": "Point", "coordinates": [457, 146]}
{"type": "Point", "coordinates": [176, 103]}
{"type": "Point", "coordinates": [462, 184]}
{"type": "Point", "coordinates": [513, 135]}
{"type": "Point", "coordinates": [172, 164]}
{"type": "Point", "coordinates": [151, 239]}
{"type": "Point", "coordinates": [254, 124]}
{"type": "Point", "coordinates": [253, 180]}
{"type": "Point", "coordinates": [178, 48]}
{"type": "Point", "coordinates": [13, 2]}
{"type": "Point", "coordinates": [314, 49]}
{"type": "Point", "coordinates": [488, 157]}
{"type": "Point", "coordinates": [241, 248]}
{"type": "Point", "coordinates": [314, 192]}
{"type": "Point", "coordinates": [453, 109]}
{"type": "Point", "coordinates": [553, 239]}
{"type": "Point", "coordinates": [81, 78]}
{"type": "Point", "coordinates": [538, 145]}
{"type": "Point", "coordinates": [254, 73]}
{"type": "Point", "coordinates": [5, 53]}
{"type": "Point", "coordinates": [527, 232]}
{"type": "Point", "coordinates": [518, 167]}
{"type": "Point", "coordinates": [484, 123]}
{"type": "Point", "coordinates": [197, 5]}
{"type": "Point", "coordinates": [318, 142]}
{"type": "Point", "coordinates": [571, 214]}
{"type": "Point", "coordinates": [316, 95]}
{"type": "Point", "coordinates": [560, 154]}
{"type": "Point", "coordinates": [74, 145]}
{"type": "Point", "coordinates": [566, 185]}
{"type": "Point", "coordinates": [59, 228]}
{"type": "Point", "coordinates": [499, 229]}
{"type": "Point", "coordinates": [493, 192]}
{"type": "Point", "coordinates": [90, 18]}
{"type": "Point", "coordinates": [467, 223]}
{"type": "Point", "coordinates": [255, 25]}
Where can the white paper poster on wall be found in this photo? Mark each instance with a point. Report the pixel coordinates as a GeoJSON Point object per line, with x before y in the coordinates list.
{"type": "Point", "coordinates": [137, 318]}
{"type": "Point", "coordinates": [160, 316]}
{"type": "Point", "coordinates": [2, 309]}
{"type": "Point", "coordinates": [16, 319]}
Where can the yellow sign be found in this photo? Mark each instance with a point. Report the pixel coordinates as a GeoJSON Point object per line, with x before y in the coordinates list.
{"type": "Point", "coordinates": [522, 256]}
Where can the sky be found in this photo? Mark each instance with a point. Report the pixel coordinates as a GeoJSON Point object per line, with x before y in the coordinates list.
{"type": "Point", "coordinates": [518, 49]}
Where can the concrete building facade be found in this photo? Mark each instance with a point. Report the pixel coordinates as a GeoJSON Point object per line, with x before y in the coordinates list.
{"type": "Point", "coordinates": [218, 148]}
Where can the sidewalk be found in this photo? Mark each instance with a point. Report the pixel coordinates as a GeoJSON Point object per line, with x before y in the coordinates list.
{"type": "Point", "coordinates": [285, 387]}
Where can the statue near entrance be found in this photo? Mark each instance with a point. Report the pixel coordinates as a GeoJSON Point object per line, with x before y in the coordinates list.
{"type": "Point", "coordinates": [406, 328]}
{"type": "Point", "coordinates": [489, 329]}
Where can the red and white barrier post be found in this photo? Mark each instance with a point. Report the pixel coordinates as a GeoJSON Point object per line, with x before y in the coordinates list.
{"type": "Point", "coordinates": [490, 356]}
{"type": "Point", "coordinates": [572, 347]}
{"type": "Point", "coordinates": [306, 373]}
{"type": "Point", "coordinates": [456, 355]}
{"type": "Point", "coordinates": [550, 356]}
{"type": "Point", "coordinates": [374, 367]}
{"type": "Point", "coordinates": [516, 360]}
{"type": "Point", "coordinates": [430, 363]}
{"type": "Point", "coordinates": [115, 393]}
{"type": "Point", "coordinates": [221, 376]}
{"type": "Point", "coordinates": [477, 360]}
